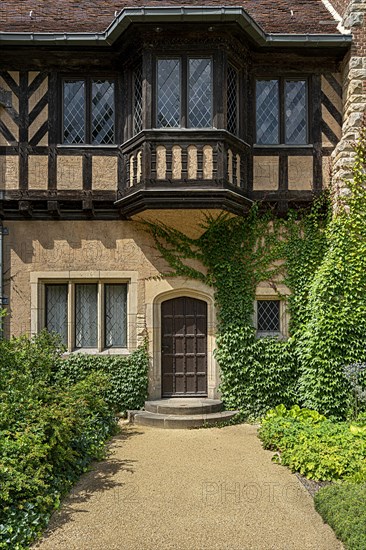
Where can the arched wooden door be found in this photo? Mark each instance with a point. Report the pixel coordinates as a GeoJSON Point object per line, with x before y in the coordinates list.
{"type": "Point", "coordinates": [184, 347]}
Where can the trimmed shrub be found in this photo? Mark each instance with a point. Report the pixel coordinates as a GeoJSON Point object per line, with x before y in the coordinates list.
{"type": "Point", "coordinates": [128, 376]}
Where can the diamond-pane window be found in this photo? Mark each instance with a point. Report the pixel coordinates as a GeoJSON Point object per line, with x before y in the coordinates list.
{"type": "Point", "coordinates": [282, 120]}
{"type": "Point", "coordinates": [86, 316]}
{"type": "Point", "coordinates": [74, 112]}
{"type": "Point", "coordinates": [116, 315]}
{"type": "Point", "coordinates": [56, 310]}
{"type": "Point", "coordinates": [295, 112]}
{"type": "Point", "coordinates": [102, 112]}
{"type": "Point", "coordinates": [88, 111]}
{"type": "Point", "coordinates": [232, 100]}
{"type": "Point", "coordinates": [200, 93]}
{"type": "Point", "coordinates": [137, 100]}
{"type": "Point", "coordinates": [169, 93]}
{"type": "Point", "coordinates": [267, 112]}
{"type": "Point", "coordinates": [268, 316]}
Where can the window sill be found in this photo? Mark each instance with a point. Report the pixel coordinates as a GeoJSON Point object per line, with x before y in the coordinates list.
{"type": "Point", "coordinates": [94, 351]}
{"type": "Point", "coordinates": [283, 146]}
{"type": "Point", "coordinates": [268, 334]}
{"type": "Point", "coordinates": [85, 146]}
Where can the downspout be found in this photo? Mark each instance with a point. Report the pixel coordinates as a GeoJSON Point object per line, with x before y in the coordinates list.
{"type": "Point", "coordinates": [1, 272]}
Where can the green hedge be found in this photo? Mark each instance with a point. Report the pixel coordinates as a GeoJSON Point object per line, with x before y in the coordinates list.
{"type": "Point", "coordinates": [343, 507]}
{"type": "Point", "coordinates": [128, 376]}
{"type": "Point", "coordinates": [55, 416]}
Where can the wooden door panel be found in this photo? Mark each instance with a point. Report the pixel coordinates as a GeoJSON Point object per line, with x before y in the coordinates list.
{"type": "Point", "coordinates": [184, 347]}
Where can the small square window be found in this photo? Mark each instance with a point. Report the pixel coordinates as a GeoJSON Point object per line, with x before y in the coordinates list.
{"type": "Point", "coordinates": [268, 316]}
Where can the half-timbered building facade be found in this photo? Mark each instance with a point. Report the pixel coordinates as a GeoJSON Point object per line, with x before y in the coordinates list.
{"type": "Point", "coordinates": [117, 111]}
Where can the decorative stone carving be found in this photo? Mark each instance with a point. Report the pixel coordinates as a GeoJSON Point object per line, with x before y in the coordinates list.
{"type": "Point", "coordinates": [207, 162]}
{"type": "Point", "coordinates": [176, 162]}
{"type": "Point", "coordinates": [192, 162]}
{"type": "Point", "coordinates": [69, 172]}
{"type": "Point", "coordinates": [265, 173]}
{"type": "Point", "coordinates": [160, 162]}
{"type": "Point", "coordinates": [230, 165]}
{"type": "Point", "coordinates": [38, 172]}
{"type": "Point", "coordinates": [9, 172]}
{"type": "Point", "coordinates": [300, 173]}
{"type": "Point", "coordinates": [104, 175]}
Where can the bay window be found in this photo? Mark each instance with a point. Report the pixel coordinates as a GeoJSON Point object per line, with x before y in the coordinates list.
{"type": "Point", "coordinates": [184, 92]}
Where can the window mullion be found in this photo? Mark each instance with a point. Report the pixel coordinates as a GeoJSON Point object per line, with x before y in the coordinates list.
{"type": "Point", "coordinates": [184, 92]}
{"type": "Point", "coordinates": [88, 110]}
{"type": "Point", "coordinates": [101, 317]}
{"type": "Point", "coordinates": [71, 317]}
{"type": "Point", "coordinates": [282, 110]}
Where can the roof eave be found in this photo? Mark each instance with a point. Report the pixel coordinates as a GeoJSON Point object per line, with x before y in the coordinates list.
{"type": "Point", "coordinates": [161, 15]}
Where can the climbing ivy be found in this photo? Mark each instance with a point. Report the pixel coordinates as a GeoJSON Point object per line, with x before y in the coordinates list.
{"type": "Point", "coordinates": [321, 257]}
{"type": "Point", "coordinates": [233, 255]}
{"type": "Point", "coordinates": [335, 332]}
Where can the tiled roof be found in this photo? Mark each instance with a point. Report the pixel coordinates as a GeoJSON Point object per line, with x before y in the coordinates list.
{"type": "Point", "coordinates": [273, 16]}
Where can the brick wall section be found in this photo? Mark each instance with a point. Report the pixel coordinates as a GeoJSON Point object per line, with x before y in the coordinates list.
{"type": "Point", "coordinates": [274, 16]}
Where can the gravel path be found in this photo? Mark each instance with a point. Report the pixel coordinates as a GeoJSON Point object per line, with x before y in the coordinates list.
{"type": "Point", "coordinates": [209, 489]}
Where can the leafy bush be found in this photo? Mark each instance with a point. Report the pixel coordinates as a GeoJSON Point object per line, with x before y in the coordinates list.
{"type": "Point", "coordinates": [128, 376]}
{"type": "Point", "coordinates": [314, 446]}
{"type": "Point", "coordinates": [256, 374]}
{"type": "Point", "coordinates": [343, 507]}
{"type": "Point", "coordinates": [48, 434]}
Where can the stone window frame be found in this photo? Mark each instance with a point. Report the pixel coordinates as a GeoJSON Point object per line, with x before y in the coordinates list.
{"type": "Point", "coordinates": [39, 280]}
{"type": "Point", "coordinates": [282, 79]}
{"type": "Point", "coordinates": [282, 334]}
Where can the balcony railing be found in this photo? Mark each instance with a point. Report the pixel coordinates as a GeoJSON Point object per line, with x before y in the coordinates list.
{"type": "Point", "coordinates": [185, 157]}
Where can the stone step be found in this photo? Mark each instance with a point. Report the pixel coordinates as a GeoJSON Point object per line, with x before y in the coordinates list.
{"type": "Point", "coordinates": [145, 418]}
{"type": "Point", "coordinates": [184, 406]}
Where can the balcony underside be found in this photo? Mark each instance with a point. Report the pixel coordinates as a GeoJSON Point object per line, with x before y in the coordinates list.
{"type": "Point", "coordinates": [170, 196]}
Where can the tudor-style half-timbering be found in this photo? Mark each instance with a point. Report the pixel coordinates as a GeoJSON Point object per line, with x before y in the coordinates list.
{"type": "Point", "coordinates": [176, 119]}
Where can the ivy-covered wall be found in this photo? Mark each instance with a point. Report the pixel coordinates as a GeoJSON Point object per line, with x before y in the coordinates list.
{"type": "Point", "coordinates": [321, 257]}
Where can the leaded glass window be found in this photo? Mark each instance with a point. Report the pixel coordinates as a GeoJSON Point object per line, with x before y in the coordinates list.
{"type": "Point", "coordinates": [86, 315]}
{"type": "Point", "coordinates": [169, 93]}
{"type": "Point", "coordinates": [267, 112]}
{"type": "Point", "coordinates": [137, 100]}
{"type": "Point", "coordinates": [115, 315]}
{"type": "Point", "coordinates": [88, 111]}
{"type": "Point", "coordinates": [281, 111]}
{"type": "Point", "coordinates": [56, 310]}
{"type": "Point", "coordinates": [295, 112]}
{"type": "Point", "coordinates": [268, 315]}
{"type": "Point", "coordinates": [102, 112]}
{"type": "Point", "coordinates": [232, 100]}
{"type": "Point", "coordinates": [200, 93]}
{"type": "Point", "coordinates": [74, 111]}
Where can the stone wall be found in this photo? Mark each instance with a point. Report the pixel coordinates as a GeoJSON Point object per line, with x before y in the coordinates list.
{"type": "Point", "coordinates": [354, 94]}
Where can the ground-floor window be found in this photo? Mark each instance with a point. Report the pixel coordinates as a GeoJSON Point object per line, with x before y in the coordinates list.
{"type": "Point", "coordinates": [87, 314]}
{"type": "Point", "coordinates": [268, 318]}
